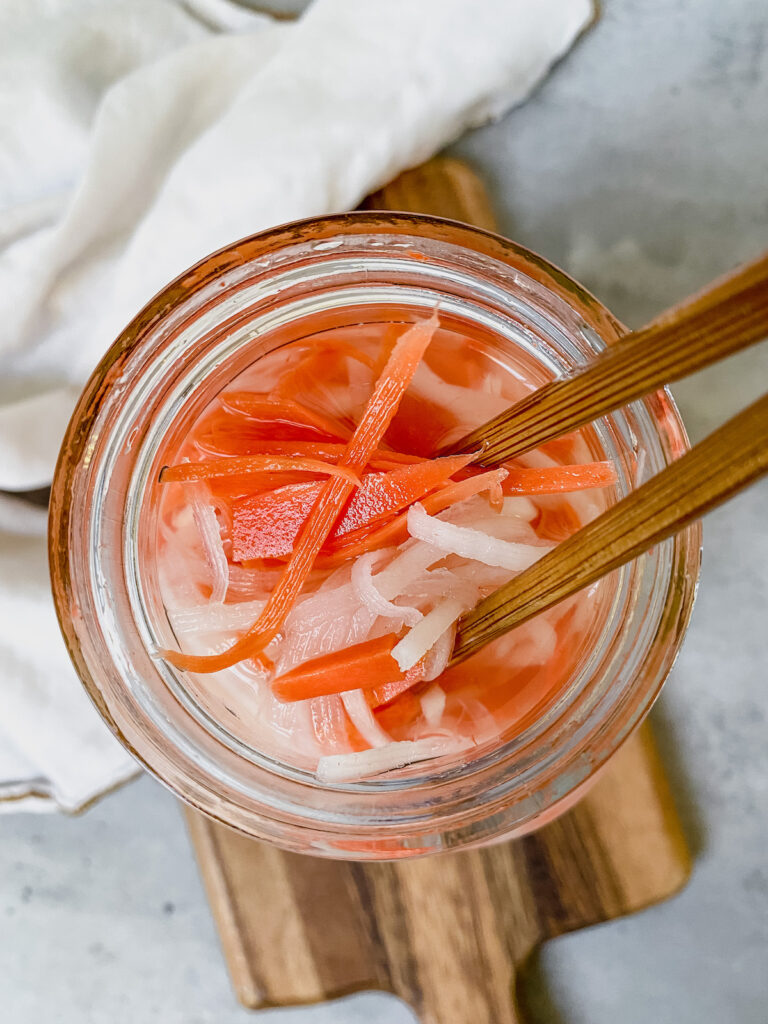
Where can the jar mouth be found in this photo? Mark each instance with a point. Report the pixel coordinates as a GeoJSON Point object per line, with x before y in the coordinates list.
{"type": "Point", "coordinates": [227, 310]}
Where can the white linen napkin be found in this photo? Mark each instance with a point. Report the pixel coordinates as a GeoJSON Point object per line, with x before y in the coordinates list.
{"type": "Point", "coordinates": [136, 136]}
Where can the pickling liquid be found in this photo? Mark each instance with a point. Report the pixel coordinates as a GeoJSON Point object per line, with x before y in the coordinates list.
{"type": "Point", "coordinates": [215, 575]}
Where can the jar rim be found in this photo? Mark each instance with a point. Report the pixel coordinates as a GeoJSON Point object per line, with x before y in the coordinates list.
{"type": "Point", "coordinates": [169, 309]}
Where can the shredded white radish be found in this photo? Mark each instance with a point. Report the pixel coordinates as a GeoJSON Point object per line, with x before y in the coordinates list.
{"type": "Point", "coordinates": [208, 526]}
{"type": "Point", "coordinates": [433, 705]}
{"type": "Point", "coordinates": [410, 563]}
{"type": "Point", "coordinates": [246, 584]}
{"type": "Point", "coordinates": [365, 588]}
{"type": "Point", "coordinates": [510, 528]}
{"type": "Point", "coordinates": [483, 726]}
{"type": "Point", "coordinates": [485, 577]}
{"type": "Point", "coordinates": [439, 655]}
{"type": "Point", "coordinates": [226, 618]}
{"type": "Point", "coordinates": [365, 763]}
{"type": "Point", "coordinates": [310, 636]}
{"type": "Point", "coordinates": [519, 505]}
{"type": "Point", "coordinates": [417, 641]}
{"type": "Point", "coordinates": [362, 718]}
{"type": "Point", "coordinates": [462, 401]}
{"type": "Point", "coordinates": [533, 643]}
{"type": "Point", "coordinates": [463, 540]}
{"type": "Point", "coordinates": [328, 720]}
{"type": "Point", "coordinates": [467, 512]}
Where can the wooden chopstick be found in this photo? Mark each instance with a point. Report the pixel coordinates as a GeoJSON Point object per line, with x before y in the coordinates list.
{"type": "Point", "coordinates": [714, 470]}
{"type": "Point", "coordinates": [728, 316]}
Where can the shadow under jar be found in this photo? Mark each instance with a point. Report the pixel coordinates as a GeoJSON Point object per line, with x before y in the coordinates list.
{"type": "Point", "coordinates": [218, 321]}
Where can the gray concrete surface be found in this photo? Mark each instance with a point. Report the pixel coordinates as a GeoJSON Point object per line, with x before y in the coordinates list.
{"type": "Point", "coordinates": [641, 167]}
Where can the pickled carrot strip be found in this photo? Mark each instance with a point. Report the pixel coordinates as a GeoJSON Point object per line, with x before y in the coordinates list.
{"type": "Point", "coordinates": [383, 494]}
{"type": "Point", "coordinates": [363, 666]}
{"type": "Point", "coordinates": [186, 471]}
{"type": "Point", "coordinates": [378, 696]}
{"type": "Point", "coordinates": [558, 479]}
{"type": "Point", "coordinates": [381, 408]}
{"type": "Point", "coordinates": [330, 451]}
{"type": "Point", "coordinates": [266, 525]}
{"type": "Point", "coordinates": [368, 539]}
{"type": "Point", "coordinates": [262, 407]}
{"type": "Point", "coordinates": [401, 713]}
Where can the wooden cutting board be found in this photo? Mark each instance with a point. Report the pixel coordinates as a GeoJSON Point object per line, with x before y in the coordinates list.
{"type": "Point", "coordinates": [448, 934]}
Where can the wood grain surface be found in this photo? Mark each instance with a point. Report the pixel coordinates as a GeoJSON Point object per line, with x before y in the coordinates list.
{"type": "Point", "coordinates": [448, 934]}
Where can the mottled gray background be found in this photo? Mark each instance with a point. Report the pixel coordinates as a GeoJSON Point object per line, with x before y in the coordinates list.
{"type": "Point", "coordinates": [641, 167]}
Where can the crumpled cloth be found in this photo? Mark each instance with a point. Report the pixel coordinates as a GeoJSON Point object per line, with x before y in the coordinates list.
{"type": "Point", "coordinates": [136, 136]}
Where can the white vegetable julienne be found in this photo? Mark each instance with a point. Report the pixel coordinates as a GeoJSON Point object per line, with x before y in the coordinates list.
{"type": "Point", "coordinates": [463, 540]}
{"type": "Point", "coordinates": [208, 525]}
{"type": "Point", "coordinates": [535, 642]}
{"type": "Point", "coordinates": [227, 618]}
{"type": "Point", "coordinates": [518, 505]}
{"type": "Point", "coordinates": [413, 558]}
{"type": "Point", "coordinates": [328, 720]}
{"type": "Point", "coordinates": [310, 636]}
{"type": "Point", "coordinates": [463, 402]}
{"type": "Point", "coordinates": [247, 584]}
{"type": "Point", "coordinates": [510, 528]}
{"type": "Point", "coordinates": [362, 718]}
{"type": "Point", "coordinates": [433, 705]}
{"type": "Point", "coordinates": [365, 763]}
{"type": "Point", "coordinates": [365, 588]}
{"type": "Point", "coordinates": [439, 655]}
{"type": "Point", "coordinates": [426, 633]}
{"type": "Point", "coordinates": [485, 577]}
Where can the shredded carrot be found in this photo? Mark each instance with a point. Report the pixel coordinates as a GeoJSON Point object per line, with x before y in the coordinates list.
{"type": "Point", "coordinates": [371, 539]}
{"type": "Point", "coordinates": [267, 525]}
{"type": "Point", "coordinates": [363, 666]}
{"type": "Point", "coordinates": [378, 696]}
{"type": "Point", "coordinates": [381, 408]}
{"type": "Point", "coordinates": [399, 714]}
{"type": "Point", "coordinates": [262, 407]}
{"type": "Point", "coordinates": [557, 479]}
{"type": "Point", "coordinates": [186, 471]}
{"type": "Point", "coordinates": [330, 451]}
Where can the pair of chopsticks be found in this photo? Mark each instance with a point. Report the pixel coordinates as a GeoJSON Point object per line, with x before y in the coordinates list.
{"type": "Point", "coordinates": [728, 316]}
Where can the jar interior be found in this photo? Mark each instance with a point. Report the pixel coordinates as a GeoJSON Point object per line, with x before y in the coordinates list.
{"type": "Point", "coordinates": [506, 357]}
{"type": "Point", "coordinates": [223, 318]}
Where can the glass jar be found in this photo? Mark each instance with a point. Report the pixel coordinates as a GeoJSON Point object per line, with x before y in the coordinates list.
{"type": "Point", "coordinates": [190, 340]}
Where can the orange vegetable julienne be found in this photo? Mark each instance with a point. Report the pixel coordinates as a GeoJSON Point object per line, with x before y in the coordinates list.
{"type": "Point", "coordinates": [399, 714]}
{"type": "Point", "coordinates": [364, 666]}
{"type": "Point", "coordinates": [381, 408]}
{"type": "Point", "coordinates": [378, 696]}
{"type": "Point", "coordinates": [372, 538]}
{"type": "Point", "coordinates": [331, 451]}
{"type": "Point", "coordinates": [245, 464]}
{"type": "Point", "coordinates": [267, 525]}
{"type": "Point", "coordinates": [262, 407]}
{"type": "Point", "coordinates": [558, 479]}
